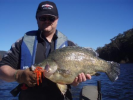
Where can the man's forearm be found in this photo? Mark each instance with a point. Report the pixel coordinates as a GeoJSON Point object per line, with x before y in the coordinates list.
{"type": "Point", "coordinates": [7, 73]}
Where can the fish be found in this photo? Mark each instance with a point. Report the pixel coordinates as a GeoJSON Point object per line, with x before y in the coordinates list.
{"type": "Point", "coordinates": [63, 65]}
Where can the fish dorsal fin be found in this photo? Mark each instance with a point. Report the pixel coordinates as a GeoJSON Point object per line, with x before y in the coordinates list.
{"type": "Point", "coordinates": [92, 51]}
{"type": "Point", "coordinates": [62, 88]}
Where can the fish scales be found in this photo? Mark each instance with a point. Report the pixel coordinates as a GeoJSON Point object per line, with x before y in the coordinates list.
{"type": "Point", "coordinates": [66, 63]}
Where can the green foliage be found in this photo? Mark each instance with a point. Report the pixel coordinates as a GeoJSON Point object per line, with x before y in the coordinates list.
{"type": "Point", "coordinates": [1, 54]}
{"type": "Point", "coordinates": [120, 49]}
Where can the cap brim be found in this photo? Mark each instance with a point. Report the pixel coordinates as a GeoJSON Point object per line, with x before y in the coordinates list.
{"type": "Point", "coordinates": [46, 13]}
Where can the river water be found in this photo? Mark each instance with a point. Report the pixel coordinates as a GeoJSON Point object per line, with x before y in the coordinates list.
{"type": "Point", "coordinates": [122, 89]}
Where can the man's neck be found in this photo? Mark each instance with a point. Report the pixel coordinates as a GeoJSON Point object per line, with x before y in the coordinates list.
{"type": "Point", "coordinates": [49, 36]}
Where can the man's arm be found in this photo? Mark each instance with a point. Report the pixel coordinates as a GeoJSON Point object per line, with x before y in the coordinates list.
{"type": "Point", "coordinates": [10, 62]}
{"type": "Point", "coordinates": [10, 67]}
{"type": "Point", "coordinates": [7, 73]}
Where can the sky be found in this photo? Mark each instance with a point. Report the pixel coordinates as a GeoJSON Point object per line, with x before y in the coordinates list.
{"type": "Point", "coordinates": [88, 23]}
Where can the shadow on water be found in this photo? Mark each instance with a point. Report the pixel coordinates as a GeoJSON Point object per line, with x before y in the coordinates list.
{"type": "Point", "coordinates": [122, 89]}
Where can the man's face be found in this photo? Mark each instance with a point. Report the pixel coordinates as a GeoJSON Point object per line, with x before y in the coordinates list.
{"type": "Point", "coordinates": [47, 23]}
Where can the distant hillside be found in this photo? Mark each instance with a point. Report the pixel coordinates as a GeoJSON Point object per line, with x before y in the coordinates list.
{"type": "Point", "coordinates": [120, 49]}
{"type": "Point", "coordinates": [1, 54]}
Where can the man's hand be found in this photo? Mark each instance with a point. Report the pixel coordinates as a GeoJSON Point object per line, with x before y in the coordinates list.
{"type": "Point", "coordinates": [81, 78]}
{"type": "Point", "coordinates": [26, 76]}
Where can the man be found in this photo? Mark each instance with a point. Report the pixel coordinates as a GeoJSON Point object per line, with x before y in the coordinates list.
{"type": "Point", "coordinates": [33, 48]}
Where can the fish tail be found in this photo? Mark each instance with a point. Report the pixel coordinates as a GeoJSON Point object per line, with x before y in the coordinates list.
{"type": "Point", "coordinates": [114, 71]}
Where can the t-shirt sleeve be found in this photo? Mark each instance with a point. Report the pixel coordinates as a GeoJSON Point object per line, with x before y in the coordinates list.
{"type": "Point", "coordinates": [12, 57]}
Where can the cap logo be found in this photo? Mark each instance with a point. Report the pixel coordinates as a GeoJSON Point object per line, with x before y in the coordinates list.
{"type": "Point", "coordinates": [47, 6]}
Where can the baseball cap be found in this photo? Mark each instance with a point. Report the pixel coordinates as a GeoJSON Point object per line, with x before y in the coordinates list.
{"type": "Point", "coordinates": [47, 8]}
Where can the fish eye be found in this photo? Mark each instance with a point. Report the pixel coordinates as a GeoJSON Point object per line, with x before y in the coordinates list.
{"type": "Point", "coordinates": [47, 67]}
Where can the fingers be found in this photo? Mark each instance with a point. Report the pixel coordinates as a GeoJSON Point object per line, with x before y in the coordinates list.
{"type": "Point", "coordinates": [33, 77]}
{"type": "Point", "coordinates": [31, 84]}
{"type": "Point", "coordinates": [75, 82]}
{"type": "Point", "coordinates": [29, 77]}
{"type": "Point", "coordinates": [31, 81]}
{"type": "Point", "coordinates": [88, 76]}
{"type": "Point", "coordinates": [81, 78]}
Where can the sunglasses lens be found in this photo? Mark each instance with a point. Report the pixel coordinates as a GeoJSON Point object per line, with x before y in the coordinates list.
{"type": "Point", "coordinates": [42, 18]}
{"type": "Point", "coordinates": [50, 18]}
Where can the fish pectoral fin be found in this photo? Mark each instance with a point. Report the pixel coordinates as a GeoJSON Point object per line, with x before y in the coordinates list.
{"type": "Point", "coordinates": [62, 88]}
{"type": "Point", "coordinates": [97, 74]}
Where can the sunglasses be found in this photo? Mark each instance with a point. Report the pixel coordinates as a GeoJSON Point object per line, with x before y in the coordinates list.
{"type": "Point", "coordinates": [49, 18]}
